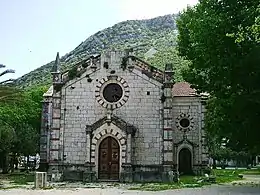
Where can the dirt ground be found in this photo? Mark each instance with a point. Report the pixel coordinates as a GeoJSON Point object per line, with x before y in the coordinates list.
{"type": "Point", "coordinates": [213, 190]}
{"type": "Point", "coordinates": [249, 186]}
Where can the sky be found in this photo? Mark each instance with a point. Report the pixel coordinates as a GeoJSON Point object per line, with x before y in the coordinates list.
{"type": "Point", "coordinates": [33, 31]}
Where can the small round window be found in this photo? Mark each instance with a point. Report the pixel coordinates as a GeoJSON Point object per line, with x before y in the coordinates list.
{"type": "Point", "coordinates": [112, 92]}
{"type": "Point", "coordinates": [184, 123]}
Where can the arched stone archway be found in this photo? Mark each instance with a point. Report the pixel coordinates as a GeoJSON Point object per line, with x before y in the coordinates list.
{"type": "Point", "coordinates": [108, 162]}
{"type": "Point", "coordinates": [117, 129]}
{"type": "Point", "coordinates": [185, 161]}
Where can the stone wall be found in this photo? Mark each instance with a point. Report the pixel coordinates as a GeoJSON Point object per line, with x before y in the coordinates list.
{"type": "Point", "coordinates": [142, 110]}
{"type": "Point", "coordinates": [194, 137]}
{"type": "Point", "coordinates": [145, 126]}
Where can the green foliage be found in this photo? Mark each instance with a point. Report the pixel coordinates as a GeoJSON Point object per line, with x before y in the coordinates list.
{"type": "Point", "coordinates": [7, 92]}
{"type": "Point", "coordinates": [170, 55]}
{"type": "Point", "coordinates": [17, 179]}
{"type": "Point", "coordinates": [21, 179]}
{"type": "Point", "coordinates": [227, 176]}
{"type": "Point", "coordinates": [250, 32]}
{"type": "Point", "coordinates": [20, 123]}
{"type": "Point", "coordinates": [222, 176]}
{"type": "Point", "coordinates": [221, 40]}
{"type": "Point", "coordinates": [124, 63]}
{"type": "Point", "coordinates": [7, 136]}
{"type": "Point", "coordinates": [72, 72]}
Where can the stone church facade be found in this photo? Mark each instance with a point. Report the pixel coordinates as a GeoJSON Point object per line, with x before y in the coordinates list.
{"type": "Point", "coordinates": [113, 117]}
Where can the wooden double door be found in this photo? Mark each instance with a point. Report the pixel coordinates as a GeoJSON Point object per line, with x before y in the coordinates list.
{"type": "Point", "coordinates": [108, 166]}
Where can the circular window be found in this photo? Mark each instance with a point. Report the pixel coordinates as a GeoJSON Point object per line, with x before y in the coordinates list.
{"type": "Point", "coordinates": [185, 123]}
{"type": "Point", "coordinates": [113, 92]}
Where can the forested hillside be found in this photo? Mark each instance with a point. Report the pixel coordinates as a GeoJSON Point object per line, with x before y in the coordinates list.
{"type": "Point", "coordinates": [153, 40]}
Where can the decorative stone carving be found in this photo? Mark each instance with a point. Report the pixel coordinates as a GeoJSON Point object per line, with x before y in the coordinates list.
{"type": "Point", "coordinates": [112, 92]}
{"type": "Point", "coordinates": [184, 122]}
{"type": "Point", "coordinates": [128, 128]}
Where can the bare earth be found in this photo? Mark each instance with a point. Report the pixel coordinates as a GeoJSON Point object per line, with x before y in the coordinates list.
{"type": "Point", "coordinates": [235, 188]}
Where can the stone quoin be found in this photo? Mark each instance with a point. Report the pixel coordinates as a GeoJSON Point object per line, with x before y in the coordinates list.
{"type": "Point", "coordinates": [113, 117]}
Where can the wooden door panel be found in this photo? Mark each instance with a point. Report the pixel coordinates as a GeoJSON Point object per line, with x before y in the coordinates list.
{"type": "Point", "coordinates": [103, 175]}
{"type": "Point", "coordinates": [115, 155]}
{"type": "Point", "coordinates": [114, 168]}
{"type": "Point", "coordinates": [114, 143]}
{"type": "Point", "coordinates": [109, 159]}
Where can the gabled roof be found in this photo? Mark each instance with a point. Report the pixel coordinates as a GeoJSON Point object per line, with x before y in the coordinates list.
{"type": "Point", "coordinates": [183, 89]}
{"type": "Point", "coordinates": [94, 60]}
{"type": "Point", "coordinates": [148, 69]}
{"type": "Point", "coordinates": [180, 89]}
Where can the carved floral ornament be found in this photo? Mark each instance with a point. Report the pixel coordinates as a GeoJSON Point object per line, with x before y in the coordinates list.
{"type": "Point", "coordinates": [112, 92]}
{"type": "Point", "coordinates": [184, 122]}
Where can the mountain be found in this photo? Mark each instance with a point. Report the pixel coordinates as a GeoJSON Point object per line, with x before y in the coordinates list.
{"type": "Point", "coordinates": [153, 40]}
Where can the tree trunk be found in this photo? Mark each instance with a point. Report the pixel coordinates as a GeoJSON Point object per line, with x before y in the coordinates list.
{"type": "Point", "coordinates": [214, 163]}
{"type": "Point", "coordinates": [12, 163]}
{"type": "Point", "coordinates": [4, 163]}
{"type": "Point", "coordinates": [253, 161]}
{"type": "Point", "coordinates": [26, 164]}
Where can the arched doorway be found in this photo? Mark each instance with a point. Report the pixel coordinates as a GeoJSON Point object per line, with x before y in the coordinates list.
{"type": "Point", "coordinates": [185, 166]}
{"type": "Point", "coordinates": [108, 161]}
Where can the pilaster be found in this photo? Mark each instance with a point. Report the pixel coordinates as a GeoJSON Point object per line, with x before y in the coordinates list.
{"type": "Point", "coordinates": [56, 132]}
{"type": "Point", "coordinates": [44, 139]}
{"type": "Point", "coordinates": [167, 150]}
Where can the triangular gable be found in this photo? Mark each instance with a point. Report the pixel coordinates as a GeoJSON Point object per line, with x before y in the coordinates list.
{"type": "Point", "coordinates": [147, 69]}
{"type": "Point", "coordinates": [93, 62]}
{"type": "Point", "coordinates": [80, 67]}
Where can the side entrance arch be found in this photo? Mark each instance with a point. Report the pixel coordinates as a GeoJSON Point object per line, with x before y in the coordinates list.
{"type": "Point", "coordinates": [185, 158]}
{"type": "Point", "coordinates": [108, 159]}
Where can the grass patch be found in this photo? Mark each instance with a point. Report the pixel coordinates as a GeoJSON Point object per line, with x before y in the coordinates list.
{"type": "Point", "coordinates": [221, 175]}
{"type": "Point", "coordinates": [154, 187]}
{"type": "Point", "coordinates": [185, 182]}
{"type": "Point", "coordinates": [19, 178]}
{"type": "Point", "coordinates": [251, 171]}
{"type": "Point", "coordinates": [9, 187]}
{"type": "Point", "coordinates": [226, 176]}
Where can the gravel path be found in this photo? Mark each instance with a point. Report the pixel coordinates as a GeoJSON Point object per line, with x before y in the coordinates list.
{"type": "Point", "coordinates": [214, 190]}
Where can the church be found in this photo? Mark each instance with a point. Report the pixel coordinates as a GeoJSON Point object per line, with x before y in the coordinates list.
{"type": "Point", "coordinates": [114, 117]}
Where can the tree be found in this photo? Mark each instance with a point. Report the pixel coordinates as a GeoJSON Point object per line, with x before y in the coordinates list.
{"type": "Point", "coordinates": [221, 39]}
{"type": "Point", "coordinates": [250, 32]}
{"type": "Point", "coordinates": [23, 116]}
{"type": "Point", "coordinates": [7, 137]}
{"type": "Point", "coordinates": [6, 91]}
{"type": "Point", "coordinates": [166, 56]}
